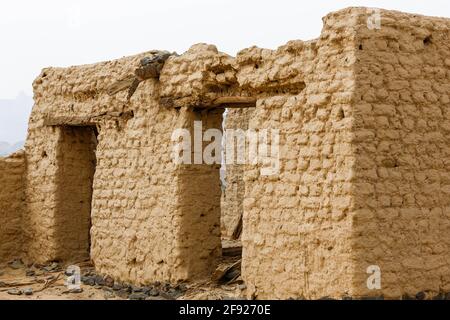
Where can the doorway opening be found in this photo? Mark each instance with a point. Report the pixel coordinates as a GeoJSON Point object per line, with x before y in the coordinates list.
{"type": "Point", "coordinates": [76, 163]}
{"type": "Point", "coordinates": [236, 119]}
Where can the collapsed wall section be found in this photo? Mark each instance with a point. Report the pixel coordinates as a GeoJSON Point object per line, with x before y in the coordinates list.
{"type": "Point", "coordinates": [12, 205]}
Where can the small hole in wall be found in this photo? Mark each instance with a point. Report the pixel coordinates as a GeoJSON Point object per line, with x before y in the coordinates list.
{"type": "Point", "coordinates": [44, 75]}
{"type": "Point", "coordinates": [427, 41]}
{"type": "Point", "coordinates": [341, 114]}
{"type": "Point", "coordinates": [256, 66]}
{"type": "Point", "coordinates": [360, 47]}
{"type": "Point", "coordinates": [44, 154]}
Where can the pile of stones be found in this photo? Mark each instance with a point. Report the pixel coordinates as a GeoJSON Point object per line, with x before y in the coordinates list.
{"type": "Point", "coordinates": [111, 288]}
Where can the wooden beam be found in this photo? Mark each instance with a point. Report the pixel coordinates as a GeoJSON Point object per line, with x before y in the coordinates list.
{"type": "Point", "coordinates": [68, 120]}
{"type": "Point", "coordinates": [235, 100]}
{"type": "Point", "coordinates": [86, 120]}
{"type": "Point", "coordinates": [235, 106]}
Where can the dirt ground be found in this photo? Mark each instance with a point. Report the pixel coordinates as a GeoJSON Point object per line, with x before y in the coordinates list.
{"type": "Point", "coordinates": [50, 285]}
{"type": "Point", "coordinates": [48, 282]}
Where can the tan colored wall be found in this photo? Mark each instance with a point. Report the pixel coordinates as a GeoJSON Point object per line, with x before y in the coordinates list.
{"type": "Point", "coordinates": [402, 139]}
{"type": "Point", "coordinates": [363, 177]}
{"type": "Point", "coordinates": [297, 227]}
{"type": "Point", "coordinates": [68, 96]}
{"type": "Point", "coordinates": [12, 205]}
{"type": "Point", "coordinates": [146, 219]}
{"type": "Point", "coordinates": [150, 220]}
{"type": "Point", "coordinates": [364, 138]}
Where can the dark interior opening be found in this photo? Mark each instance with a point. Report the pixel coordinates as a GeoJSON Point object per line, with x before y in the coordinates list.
{"type": "Point", "coordinates": [76, 159]}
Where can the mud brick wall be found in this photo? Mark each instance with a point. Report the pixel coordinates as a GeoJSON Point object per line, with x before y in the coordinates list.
{"type": "Point", "coordinates": [363, 177]}
{"type": "Point", "coordinates": [197, 77]}
{"type": "Point", "coordinates": [402, 164]}
{"type": "Point", "coordinates": [68, 98]}
{"type": "Point", "coordinates": [363, 180]}
{"type": "Point", "coordinates": [297, 228]}
{"type": "Point", "coordinates": [150, 221]}
{"type": "Point", "coordinates": [12, 205]}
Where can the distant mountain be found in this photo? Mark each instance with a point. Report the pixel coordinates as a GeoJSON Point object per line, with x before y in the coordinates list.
{"type": "Point", "coordinates": [7, 149]}
{"type": "Point", "coordinates": [14, 114]}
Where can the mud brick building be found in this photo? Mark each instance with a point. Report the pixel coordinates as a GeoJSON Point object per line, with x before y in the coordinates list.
{"type": "Point", "coordinates": [364, 120]}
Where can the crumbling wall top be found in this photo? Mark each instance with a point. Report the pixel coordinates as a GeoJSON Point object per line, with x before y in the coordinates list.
{"type": "Point", "coordinates": [202, 75]}
{"type": "Point", "coordinates": [197, 77]}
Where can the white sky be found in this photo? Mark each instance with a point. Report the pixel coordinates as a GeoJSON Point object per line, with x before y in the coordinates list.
{"type": "Point", "coordinates": [36, 34]}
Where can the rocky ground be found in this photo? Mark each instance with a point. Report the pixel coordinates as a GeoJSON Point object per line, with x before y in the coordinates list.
{"type": "Point", "coordinates": [48, 282]}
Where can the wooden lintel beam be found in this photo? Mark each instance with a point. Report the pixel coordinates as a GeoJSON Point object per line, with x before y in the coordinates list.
{"type": "Point", "coordinates": [235, 100]}
{"type": "Point", "coordinates": [235, 106]}
{"type": "Point", "coordinates": [69, 121]}
{"type": "Point", "coordinates": [86, 120]}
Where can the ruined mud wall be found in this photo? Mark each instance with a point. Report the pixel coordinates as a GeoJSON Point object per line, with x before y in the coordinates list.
{"type": "Point", "coordinates": [145, 215]}
{"type": "Point", "coordinates": [365, 146]}
{"type": "Point", "coordinates": [402, 135]}
{"type": "Point", "coordinates": [12, 205]}
{"type": "Point", "coordinates": [63, 96]}
{"type": "Point", "coordinates": [362, 180]}
{"type": "Point", "coordinates": [297, 227]}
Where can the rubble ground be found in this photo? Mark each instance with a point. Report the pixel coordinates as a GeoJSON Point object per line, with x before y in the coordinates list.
{"type": "Point", "coordinates": [19, 281]}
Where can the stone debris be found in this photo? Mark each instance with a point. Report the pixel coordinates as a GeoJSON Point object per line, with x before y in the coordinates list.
{"type": "Point", "coordinates": [421, 295]}
{"type": "Point", "coordinates": [53, 267]}
{"type": "Point", "coordinates": [227, 272]}
{"type": "Point", "coordinates": [76, 290]}
{"type": "Point", "coordinates": [15, 292]}
{"type": "Point", "coordinates": [127, 291]}
{"type": "Point", "coordinates": [149, 68]}
{"type": "Point", "coordinates": [137, 296]}
{"type": "Point", "coordinates": [30, 273]}
{"type": "Point", "coordinates": [16, 264]}
{"type": "Point", "coordinates": [28, 291]}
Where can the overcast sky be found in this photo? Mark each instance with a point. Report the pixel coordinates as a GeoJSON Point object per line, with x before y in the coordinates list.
{"type": "Point", "coordinates": [36, 34]}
